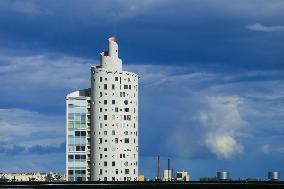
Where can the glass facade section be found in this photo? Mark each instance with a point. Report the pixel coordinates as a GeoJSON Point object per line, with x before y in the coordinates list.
{"type": "Point", "coordinates": [76, 120]}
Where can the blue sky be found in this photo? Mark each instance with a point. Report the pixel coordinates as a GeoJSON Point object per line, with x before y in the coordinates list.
{"type": "Point", "coordinates": [211, 88]}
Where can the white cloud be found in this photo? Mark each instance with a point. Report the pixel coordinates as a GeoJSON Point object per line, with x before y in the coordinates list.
{"type": "Point", "coordinates": [26, 128]}
{"type": "Point", "coordinates": [156, 75]}
{"type": "Point", "coordinates": [224, 146]}
{"type": "Point", "coordinates": [268, 149]}
{"type": "Point", "coordinates": [262, 28]}
{"type": "Point", "coordinates": [223, 124]}
{"type": "Point", "coordinates": [265, 148]}
{"type": "Point", "coordinates": [43, 70]}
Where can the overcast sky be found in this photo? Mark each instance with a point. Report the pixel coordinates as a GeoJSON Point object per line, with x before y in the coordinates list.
{"type": "Point", "coordinates": [211, 88]}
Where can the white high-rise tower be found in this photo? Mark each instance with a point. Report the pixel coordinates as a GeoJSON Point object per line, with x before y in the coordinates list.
{"type": "Point", "coordinates": [114, 119]}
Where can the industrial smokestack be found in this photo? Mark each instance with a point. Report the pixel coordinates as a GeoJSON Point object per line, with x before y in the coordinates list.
{"type": "Point", "coordinates": [159, 164]}
{"type": "Point", "coordinates": [172, 171]}
{"type": "Point", "coordinates": [169, 168]}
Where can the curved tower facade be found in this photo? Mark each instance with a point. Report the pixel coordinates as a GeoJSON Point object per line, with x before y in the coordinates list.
{"type": "Point", "coordinates": [114, 119]}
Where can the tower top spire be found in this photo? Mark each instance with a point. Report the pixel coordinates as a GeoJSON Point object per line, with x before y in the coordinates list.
{"type": "Point", "coordinates": [112, 38]}
{"type": "Point", "coordinates": [109, 59]}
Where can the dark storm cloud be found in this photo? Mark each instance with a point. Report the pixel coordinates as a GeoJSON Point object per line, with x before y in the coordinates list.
{"type": "Point", "coordinates": [160, 32]}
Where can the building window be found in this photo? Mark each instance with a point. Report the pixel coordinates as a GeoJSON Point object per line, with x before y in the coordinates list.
{"type": "Point", "coordinates": [126, 102]}
{"type": "Point", "coordinates": [70, 172]}
{"type": "Point", "coordinates": [105, 101]}
{"type": "Point", "coordinates": [101, 109]}
{"type": "Point", "coordinates": [126, 140]}
{"type": "Point", "coordinates": [113, 132]}
{"type": "Point", "coordinates": [127, 117]}
{"type": "Point", "coordinates": [116, 140]}
{"type": "Point", "coordinates": [129, 86]}
{"type": "Point", "coordinates": [126, 109]}
{"type": "Point", "coordinates": [101, 94]}
{"type": "Point", "coordinates": [116, 171]}
{"type": "Point", "coordinates": [101, 156]}
{"type": "Point", "coordinates": [101, 171]}
{"type": "Point", "coordinates": [105, 163]}
{"type": "Point", "coordinates": [112, 86]}
{"type": "Point", "coordinates": [101, 79]}
{"type": "Point", "coordinates": [113, 163]}
{"type": "Point", "coordinates": [105, 86]}
{"type": "Point", "coordinates": [126, 171]}
{"type": "Point", "coordinates": [125, 86]}
{"type": "Point", "coordinates": [116, 78]}
{"type": "Point", "coordinates": [116, 109]}
{"type": "Point", "coordinates": [105, 178]}
{"type": "Point", "coordinates": [70, 105]}
{"type": "Point", "coordinates": [70, 157]}
{"type": "Point", "coordinates": [100, 140]}
{"type": "Point", "coordinates": [80, 133]}
{"type": "Point", "coordinates": [105, 117]}
{"type": "Point", "coordinates": [105, 149]}
{"type": "Point", "coordinates": [80, 148]}
{"type": "Point", "coordinates": [105, 132]}
{"type": "Point", "coordinates": [77, 133]}
{"type": "Point", "coordinates": [122, 94]}
{"type": "Point", "coordinates": [113, 101]}
{"type": "Point", "coordinates": [71, 116]}
{"type": "Point", "coordinates": [79, 178]}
